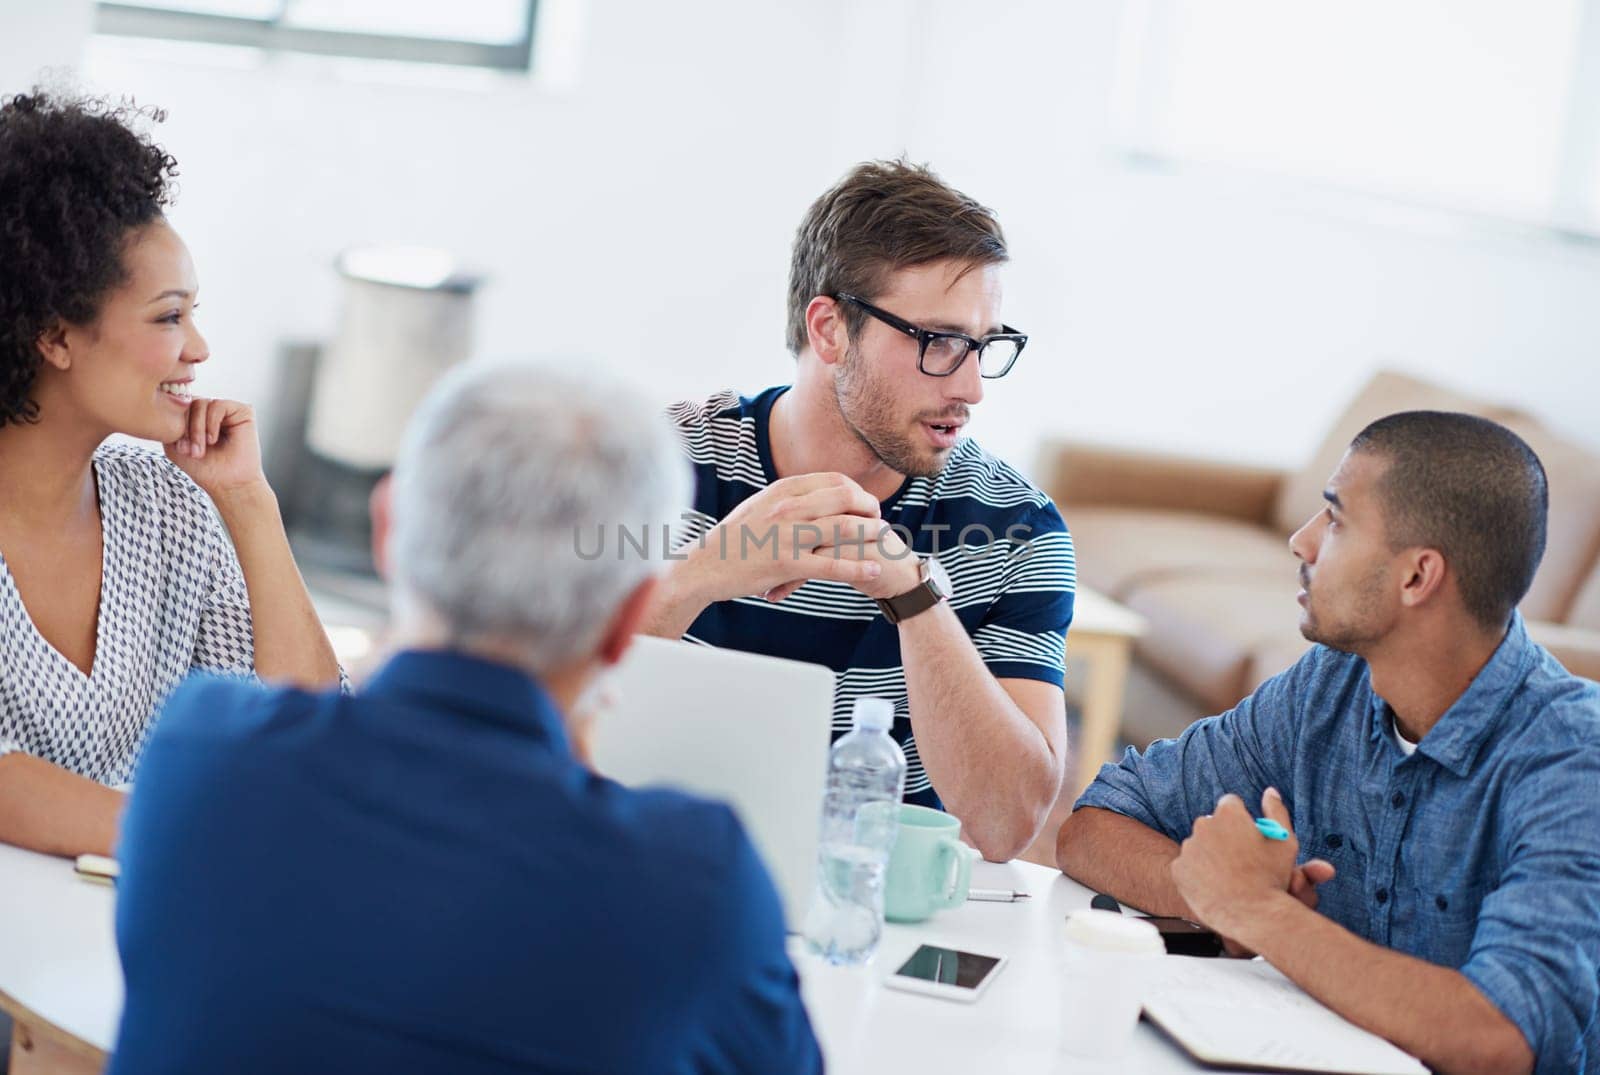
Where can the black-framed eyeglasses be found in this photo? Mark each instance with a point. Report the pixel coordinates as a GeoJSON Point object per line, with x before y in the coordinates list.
{"type": "Point", "coordinates": [939, 354]}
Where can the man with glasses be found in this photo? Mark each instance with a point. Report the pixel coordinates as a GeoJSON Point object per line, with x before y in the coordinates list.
{"type": "Point", "coordinates": [844, 520]}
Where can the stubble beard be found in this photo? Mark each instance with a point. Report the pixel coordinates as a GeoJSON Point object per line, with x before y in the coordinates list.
{"type": "Point", "coordinates": [868, 410]}
{"type": "Point", "coordinates": [1355, 632]}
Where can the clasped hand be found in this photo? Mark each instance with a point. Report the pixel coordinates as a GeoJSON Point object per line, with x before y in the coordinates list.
{"type": "Point", "coordinates": [1227, 870]}
{"type": "Point", "coordinates": [811, 526]}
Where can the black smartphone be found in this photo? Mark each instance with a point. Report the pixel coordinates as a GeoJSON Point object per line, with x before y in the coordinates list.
{"type": "Point", "coordinates": [1185, 938]}
{"type": "Point", "coordinates": [946, 972]}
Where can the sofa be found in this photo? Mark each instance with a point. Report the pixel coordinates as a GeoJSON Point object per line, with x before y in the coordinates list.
{"type": "Point", "coordinates": [1200, 550]}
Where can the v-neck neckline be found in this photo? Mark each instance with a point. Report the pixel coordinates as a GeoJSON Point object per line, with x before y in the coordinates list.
{"type": "Point", "coordinates": [106, 537]}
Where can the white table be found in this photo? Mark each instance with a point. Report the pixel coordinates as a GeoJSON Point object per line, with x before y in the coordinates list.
{"type": "Point", "coordinates": [59, 975]}
{"type": "Point", "coordinates": [868, 1029]}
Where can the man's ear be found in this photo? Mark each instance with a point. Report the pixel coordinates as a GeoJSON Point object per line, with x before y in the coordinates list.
{"type": "Point", "coordinates": [1425, 576]}
{"type": "Point", "coordinates": [826, 331]}
{"type": "Point", "coordinates": [378, 509]}
{"type": "Point", "coordinates": [53, 346]}
{"type": "Point", "coordinates": [625, 623]}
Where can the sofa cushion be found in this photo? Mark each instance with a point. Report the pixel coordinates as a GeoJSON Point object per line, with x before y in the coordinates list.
{"type": "Point", "coordinates": [1277, 653]}
{"type": "Point", "coordinates": [1573, 538]}
{"type": "Point", "coordinates": [1585, 611]}
{"type": "Point", "coordinates": [1119, 549]}
{"type": "Point", "coordinates": [1204, 630]}
{"type": "Point", "coordinates": [1577, 649]}
{"type": "Point", "coordinates": [1300, 496]}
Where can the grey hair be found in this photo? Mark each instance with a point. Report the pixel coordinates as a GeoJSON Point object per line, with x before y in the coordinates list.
{"type": "Point", "coordinates": [505, 476]}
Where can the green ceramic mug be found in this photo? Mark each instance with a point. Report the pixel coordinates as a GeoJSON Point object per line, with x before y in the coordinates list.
{"type": "Point", "coordinates": [930, 868]}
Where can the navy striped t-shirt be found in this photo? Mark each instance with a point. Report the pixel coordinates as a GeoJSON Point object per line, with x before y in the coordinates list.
{"type": "Point", "coordinates": [1001, 540]}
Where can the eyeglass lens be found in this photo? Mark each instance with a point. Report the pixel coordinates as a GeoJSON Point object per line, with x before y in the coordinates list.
{"type": "Point", "coordinates": [944, 353]}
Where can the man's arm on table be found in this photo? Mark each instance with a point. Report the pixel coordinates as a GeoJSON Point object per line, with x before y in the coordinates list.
{"type": "Point", "coordinates": [1529, 990]}
{"type": "Point", "coordinates": [993, 743]}
{"type": "Point", "coordinates": [43, 807]}
{"type": "Point", "coordinates": [1234, 880]}
{"type": "Point", "coordinates": [1121, 857]}
{"type": "Point", "coordinates": [1123, 834]}
{"type": "Point", "coordinates": [1133, 863]}
{"type": "Point", "coordinates": [1434, 1013]}
{"type": "Point", "coordinates": [995, 749]}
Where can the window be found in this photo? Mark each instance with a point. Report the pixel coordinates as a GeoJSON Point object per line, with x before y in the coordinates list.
{"type": "Point", "coordinates": [478, 33]}
{"type": "Point", "coordinates": [1478, 105]}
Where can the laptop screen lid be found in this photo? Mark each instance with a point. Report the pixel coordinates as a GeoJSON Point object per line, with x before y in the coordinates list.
{"type": "Point", "coordinates": [751, 730]}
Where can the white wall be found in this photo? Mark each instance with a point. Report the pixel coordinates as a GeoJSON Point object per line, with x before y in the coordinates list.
{"type": "Point", "coordinates": [40, 39]}
{"type": "Point", "coordinates": [39, 36]}
{"type": "Point", "coordinates": [1226, 318]}
{"type": "Point", "coordinates": [644, 215]}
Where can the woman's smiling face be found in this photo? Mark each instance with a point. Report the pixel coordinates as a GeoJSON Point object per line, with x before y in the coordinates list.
{"type": "Point", "coordinates": [129, 370]}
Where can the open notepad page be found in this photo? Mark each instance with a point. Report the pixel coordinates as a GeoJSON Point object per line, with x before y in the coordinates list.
{"type": "Point", "coordinates": [1244, 1013]}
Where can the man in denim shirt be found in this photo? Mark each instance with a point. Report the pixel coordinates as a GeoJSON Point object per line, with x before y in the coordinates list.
{"type": "Point", "coordinates": [1443, 768]}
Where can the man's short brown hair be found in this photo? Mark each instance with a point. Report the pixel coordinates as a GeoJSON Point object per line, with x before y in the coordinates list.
{"type": "Point", "coordinates": [882, 217]}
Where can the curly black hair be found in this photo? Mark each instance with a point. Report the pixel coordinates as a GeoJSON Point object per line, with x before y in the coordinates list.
{"type": "Point", "coordinates": [76, 176]}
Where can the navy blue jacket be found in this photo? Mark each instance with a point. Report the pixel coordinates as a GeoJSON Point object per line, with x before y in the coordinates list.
{"type": "Point", "coordinates": [423, 878]}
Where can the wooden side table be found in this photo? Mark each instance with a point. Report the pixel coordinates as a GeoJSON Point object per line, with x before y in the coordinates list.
{"type": "Point", "coordinates": [39, 1047]}
{"type": "Point", "coordinates": [1102, 634]}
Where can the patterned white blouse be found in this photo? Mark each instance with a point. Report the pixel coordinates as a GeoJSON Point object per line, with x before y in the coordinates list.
{"type": "Point", "coordinates": [172, 599]}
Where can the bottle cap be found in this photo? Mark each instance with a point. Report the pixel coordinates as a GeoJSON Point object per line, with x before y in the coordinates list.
{"type": "Point", "coordinates": [874, 714]}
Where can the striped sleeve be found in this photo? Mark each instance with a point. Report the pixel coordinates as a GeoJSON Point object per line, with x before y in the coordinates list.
{"type": "Point", "coordinates": [713, 434]}
{"type": "Point", "coordinates": [1024, 633]}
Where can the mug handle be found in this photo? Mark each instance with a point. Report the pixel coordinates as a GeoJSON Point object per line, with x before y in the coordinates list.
{"type": "Point", "coordinates": [960, 878]}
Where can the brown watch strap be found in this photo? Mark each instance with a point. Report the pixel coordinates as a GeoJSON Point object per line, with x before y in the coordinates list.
{"type": "Point", "coordinates": [919, 598]}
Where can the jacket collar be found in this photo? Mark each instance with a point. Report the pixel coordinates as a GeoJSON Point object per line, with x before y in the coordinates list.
{"type": "Point", "coordinates": [472, 687]}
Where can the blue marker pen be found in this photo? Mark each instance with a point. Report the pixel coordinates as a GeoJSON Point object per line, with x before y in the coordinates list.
{"type": "Point", "coordinates": [1271, 829]}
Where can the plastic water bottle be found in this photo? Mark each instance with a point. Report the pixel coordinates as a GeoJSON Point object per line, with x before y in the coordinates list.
{"type": "Point", "coordinates": [860, 819]}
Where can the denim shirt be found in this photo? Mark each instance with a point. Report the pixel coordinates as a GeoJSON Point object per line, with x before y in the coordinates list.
{"type": "Point", "coordinates": [1479, 851]}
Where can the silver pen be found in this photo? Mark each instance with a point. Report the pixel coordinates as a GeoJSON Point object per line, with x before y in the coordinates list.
{"type": "Point", "coordinates": [996, 895]}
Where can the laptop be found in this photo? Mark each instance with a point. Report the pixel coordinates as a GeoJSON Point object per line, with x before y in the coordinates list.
{"type": "Point", "coordinates": [751, 730]}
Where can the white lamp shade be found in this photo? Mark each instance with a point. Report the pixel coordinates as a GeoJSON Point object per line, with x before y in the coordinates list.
{"type": "Point", "coordinates": [393, 342]}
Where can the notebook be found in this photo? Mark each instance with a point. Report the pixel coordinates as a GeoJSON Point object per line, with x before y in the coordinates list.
{"type": "Point", "coordinates": [1245, 1014]}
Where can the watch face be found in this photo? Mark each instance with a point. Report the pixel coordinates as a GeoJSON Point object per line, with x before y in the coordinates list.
{"type": "Point", "coordinates": [939, 577]}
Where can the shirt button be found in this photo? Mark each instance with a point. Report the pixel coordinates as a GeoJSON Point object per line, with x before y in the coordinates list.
{"type": "Point", "coordinates": [1382, 895]}
{"type": "Point", "coordinates": [1399, 800]}
{"type": "Point", "coordinates": [1334, 840]}
{"type": "Point", "coordinates": [1441, 903]}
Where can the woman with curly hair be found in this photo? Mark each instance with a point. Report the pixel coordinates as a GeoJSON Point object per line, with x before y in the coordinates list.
{"type": "Point", "coordinates": [115, 578]}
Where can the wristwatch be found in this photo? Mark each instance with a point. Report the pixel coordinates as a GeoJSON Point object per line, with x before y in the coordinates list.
{"type": "Point", "coordinates": [933, 588]}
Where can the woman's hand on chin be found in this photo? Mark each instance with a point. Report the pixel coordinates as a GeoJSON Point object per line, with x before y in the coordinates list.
{"type": "Point", "coordinates": [220, 449]}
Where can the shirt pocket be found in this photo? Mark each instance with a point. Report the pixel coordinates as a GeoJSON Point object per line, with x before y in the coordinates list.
{"type": "Point", "coordinates": [1333, 847]}
{"type": "Point", "coordinates": [1446, 921]}
{"type": "Point", "coordinates": [1344, 898]}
